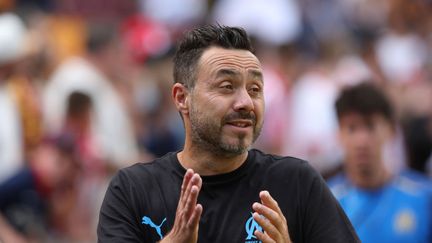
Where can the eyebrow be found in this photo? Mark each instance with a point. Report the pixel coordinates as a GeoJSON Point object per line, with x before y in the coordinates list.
{"type": "Point", "coordinates": [256, 74]}
{"type": "Point", "coordinates": [230, 72]}
{"type": "Point", "coordinates": [227, 72]}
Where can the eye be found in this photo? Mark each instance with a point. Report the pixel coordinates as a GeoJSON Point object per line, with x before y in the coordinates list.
{"type": "Point", "coordinates": [227, 86]}
{"type": "Point", "coordinates": [255, 89]}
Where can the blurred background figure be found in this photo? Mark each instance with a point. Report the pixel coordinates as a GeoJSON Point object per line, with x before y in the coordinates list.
{"type": "Point", "coordinates": [20, 126]}
{"type": "Point", "coordinates": [11, 151]}
{"type": "Point", "coordinates": [100, 72]}
{"type": "Point", "coordinates": [28, 205]}
{"type": "Point", "coordinates": [313, 118]}
{"type": "Point", "coordinates": [94, 74]}
{"type": "Point", "coordinates": [373, 196]}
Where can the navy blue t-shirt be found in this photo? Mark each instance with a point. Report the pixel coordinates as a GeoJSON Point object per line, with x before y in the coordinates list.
{"type": "Point", "coordinates": [22, 204]}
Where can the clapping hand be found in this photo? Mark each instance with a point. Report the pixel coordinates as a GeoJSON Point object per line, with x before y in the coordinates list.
{"type": "Point", "coordinates": [270, 217]}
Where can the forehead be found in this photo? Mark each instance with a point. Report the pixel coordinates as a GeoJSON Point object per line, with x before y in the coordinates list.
{"type": "Point", "coordinates": [216, 58]}
{"type": "Point", "coordinates": [358, 118]}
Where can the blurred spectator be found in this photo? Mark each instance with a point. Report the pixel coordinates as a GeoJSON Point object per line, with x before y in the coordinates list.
{"type": "Point", "coordinates": [75, 212]}
{"type": "Point", "coordinates": [25, 198]}
{"type": "Point", "coordinates": [93, 75]}
{"type": "Point", "coordinates": [312, 118]}
{"type": "Point", "coordinates": [20, 127]}
{"type": "Point", "coordinates": [373, 197]}
{"type": "Point", "coordinates": [160, 129]}
{"type": "Point", "coordinates": [78, 125]}
{"type": "Point", "coordinates": [148, 44]}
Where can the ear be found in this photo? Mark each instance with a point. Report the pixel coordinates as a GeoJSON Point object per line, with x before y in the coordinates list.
{"type": "Point", "coordinates": [180, 95]}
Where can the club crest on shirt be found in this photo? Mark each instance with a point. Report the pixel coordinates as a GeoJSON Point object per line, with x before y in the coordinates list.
{"type": "Point", "coordinates": [251, 226]}
{"type": "Point", "coordinates": [405, 221]}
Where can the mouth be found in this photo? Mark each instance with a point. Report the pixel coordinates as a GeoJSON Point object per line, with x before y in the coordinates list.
{"type": "Point", "coordinates": [240, 123]}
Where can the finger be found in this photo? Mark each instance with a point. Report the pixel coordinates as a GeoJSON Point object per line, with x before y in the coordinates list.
{"type": "Point", "coordinates": [269, 214]}
{"type": "Point", "coordinates": [267, 226]}
{"type": "Point", "coordinates": [263, 237]}
{"type": "Point", "coordinates": [268, 201]}
{"type": "Point", "coordinates": [199, 182]}
{"type": "Point", "coordinates": [188, 175]}
{"type": "Point", "coordinates": [193, 196]}
{"type": "Point", "coordinates": [196, 216]}
{"type": "Point", "coordinates": [194, 180]}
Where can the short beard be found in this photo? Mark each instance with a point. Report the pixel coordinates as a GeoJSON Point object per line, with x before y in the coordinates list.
{"type": "Point", "coordinates": [207, 134]}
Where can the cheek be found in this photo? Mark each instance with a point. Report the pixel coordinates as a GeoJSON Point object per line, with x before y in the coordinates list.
{"type": "Point", "coordinates": [380, 137]}
{"type": "Point", "coordinates": [211, 102]}
{"type": "Point", "coordinates": [259, 108]}
{"type": "Point", "coordinates": [207, 113]}
{"type": "Point", "coordinates": [345, 139]}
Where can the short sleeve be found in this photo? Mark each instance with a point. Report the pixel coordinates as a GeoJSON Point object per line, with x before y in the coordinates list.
{"type": "Point", "coordinates": [117, 221]}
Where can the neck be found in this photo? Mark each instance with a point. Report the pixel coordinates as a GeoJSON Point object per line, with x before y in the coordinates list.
{"type": "Point", "coordinates": [373, 179]}
{"type": "Point", "coordinates": [208, 163]}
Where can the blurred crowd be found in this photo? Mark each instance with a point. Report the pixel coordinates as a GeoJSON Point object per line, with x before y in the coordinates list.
{"type": "Point", "coordinates": [85, 89]}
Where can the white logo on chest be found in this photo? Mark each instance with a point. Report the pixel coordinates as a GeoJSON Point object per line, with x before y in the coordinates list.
{"type": "Point", "coordinates": [404, 221]}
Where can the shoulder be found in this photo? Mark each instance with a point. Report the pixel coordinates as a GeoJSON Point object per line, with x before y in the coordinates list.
{"type": "Point", "coordinates": [339, 185]}
{"type": "Point", "coordinates": [413, 184]}
{"type": "Point", "coordinates": [417, 177]}
{"type": "Point", "coordinates": [272, 160]}
{"type": "Point", "coordinates": [145, 171]}
{"type": "Point", "coordinates": [285, 167]}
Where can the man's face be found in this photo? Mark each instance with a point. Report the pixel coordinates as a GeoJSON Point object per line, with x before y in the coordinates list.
{"type": "Point", "coordinates": [363, 139]}
{"type": "Point", "coordinates": [227, 101]}
{"type": "Point", "coordinates": [54, 167]}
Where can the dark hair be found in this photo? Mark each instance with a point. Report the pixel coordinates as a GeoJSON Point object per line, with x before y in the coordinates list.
{"type": "Point", "coordinates": [365, 99]}
{"type": "Point", "coordinates": [197, 40]}
{"type": "Point", "coordinates": [78, 103]}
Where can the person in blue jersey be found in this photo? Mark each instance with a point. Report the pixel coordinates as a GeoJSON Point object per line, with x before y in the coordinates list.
{"type": "Point", "coordinates": [383, 207]}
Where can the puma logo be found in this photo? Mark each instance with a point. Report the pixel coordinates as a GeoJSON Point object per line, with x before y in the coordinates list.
{"type": "Point", "coordinates": [146, 220]}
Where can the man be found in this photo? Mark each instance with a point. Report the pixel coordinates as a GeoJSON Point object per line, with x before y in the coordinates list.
{"type": "Point", "coordinates": [382, 207]}
{"type": "Point", "coordinates": [215, 189]}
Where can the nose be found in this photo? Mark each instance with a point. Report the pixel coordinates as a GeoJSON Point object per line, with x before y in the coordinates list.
{"type": "Point", "coordinates": [363, 139]}
{"type": "Point", "coordinates": [243, 101]}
